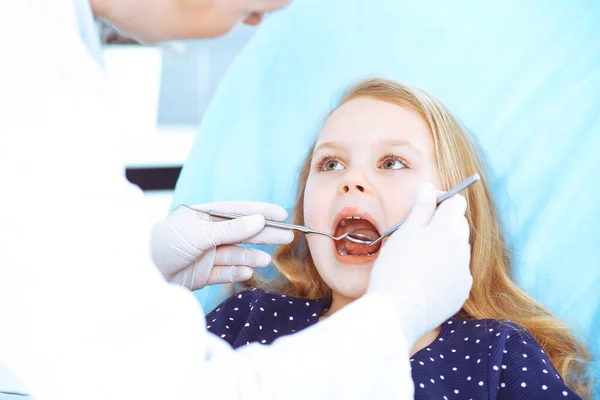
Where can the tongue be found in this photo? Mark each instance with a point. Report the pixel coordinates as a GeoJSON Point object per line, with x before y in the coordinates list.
{"type": "Point", "coordinates": [356, 249]}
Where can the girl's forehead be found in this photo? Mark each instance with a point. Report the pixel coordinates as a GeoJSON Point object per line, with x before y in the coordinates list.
{"type": "Point", "coordinates": [365, 121]}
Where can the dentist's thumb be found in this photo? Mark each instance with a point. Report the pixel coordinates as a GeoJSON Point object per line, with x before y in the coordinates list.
{"type": "Point", "coordinates": [424, 205]}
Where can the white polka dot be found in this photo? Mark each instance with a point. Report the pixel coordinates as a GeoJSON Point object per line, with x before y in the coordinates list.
{"type": "Point", "coordinates": [432, 381]}
{"type": "Point", "coordinates": [422, 386]}
{"type": "Point", "coordinates": [235, 309]}
{"type": "Point", "coordinates": [454, 368]}
{"type": "Point", "coordinates": [466, 339]}
{"type": "Point", "coordinates": [273, 299]}
{"type": "Point", "coordinates": [498, 334]}
{"type": "Point", "coordinates": [421, 362]}
{"type": "Point", "coordinates": [239, 296]}
{"type": "Point", "coordinates": [283, 295]}
{"type": "Point", "coordinates": [291, 318]}
{"type": "Point", "coordinates": [262, 309]}
{"type": "Point", "coordinates": [478, 361]}
{"type": "Point", "coordinates": [503, 384]}
{"type": "Point", "coordinates": [223, 335]}
{"type": "Point", "coordinates": [491, 330]}
{"type": "Point", "coordinates": [480, 383]}
{"type": "Point", "coordinates": [544, 361]}
{"type": "Point", "coordinates": [456, 391]}
{"type": "Point", "coordinates": [247, 343]}
{"type": "Point", "coordinates": [524, 355]}
{"type": "Point", "coordinates": [449, 322]}
{"type": "Point", "coordinates": [503, 366]}
{"type": "Point", "coordinates": [445, 398]}
{"type": "Point", "coordinates": [412, 359]}
{"type": "Point", "coordinates": [260, 327]}
{"type": "Point", "coordinates": [275, 314]}
{"type": "Point", "coordinates": [478, 325]}
{"type": "Point", "coordinates": [504, 351]}
{"type": "Point", "coordinates": [431, 359]}
{"type": "Point", "coordinates": [452, 331]}
{"type": "Point", "coordinates": [218, 309]}
{"type": "Point", "coordinates": [231, 319]}
{"type": "Point", "coordinates": [314, 315]}
{"type": "Point", "coordinates": [468, 378]}
{"type": "Point", "coordinates": [524, 368]}
{"type": "Point", "coordinates": [441, 356]}
{"type": "Point", "coordinates": [253, 289]}
{"type": "Point", "coordinates": [214, 320]}
{"type": "Point", "coordinates": [523, 384]}
{"type": "Point", "coordinates": [490, 346]}
{"type": "Point", "coordinates": [226, 327]}
{"type": "Point", "coordinates": [544, 371]}
{"type": "Point", "coordinates": [275, 330]}
{"type": "Point", "coordinates": [557, 377]}
{"type": "Point", "coordinates": [565, 393]}
{"type": "Point", "coordinates": [307, 304]}
{"type": "Point", "coordinates": [428, 349]}
{"type": "Point", "coordinates": [441, 340]}
{"type": "Point", "coordinates": [495, 368]}
{"type": "Point", "coordinates": [542, 351]}
{"type": "Point", "coordinates": [464, 322]}
{"type": "Point", "coordinates": [454, 350]}
{"type": "Point", "coordinates": [524, 342]}
{"type": "Point", "coordinates": [508, 336]}
{"type": "Point", "coordinates": [291, 302]}
{"type": "Point", "coordinates": [477, 341]}
{"type": "Point", "coordinates": [247, 324]}
{"type": "Point", "coordinates": [544, 387]}
{"type": "Point", "coordinates": [467, 357]}
{"type": "Point", "coordinates": [442, 377]}
{"type": "Point", "coordinates": [263, 341]}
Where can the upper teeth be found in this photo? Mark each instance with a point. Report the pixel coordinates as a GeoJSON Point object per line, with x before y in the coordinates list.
{"type": "Point", "coordinates": [353, 217]}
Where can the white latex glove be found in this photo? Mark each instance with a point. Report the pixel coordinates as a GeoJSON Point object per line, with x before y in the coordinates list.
{"type": "Point", "coordinates": [423, 267]}
{"type": "Point", "coordinates": [193, 242]}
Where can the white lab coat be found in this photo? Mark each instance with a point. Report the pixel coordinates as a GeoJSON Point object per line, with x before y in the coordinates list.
{"type": "Point", "coordinates": [85, 314]}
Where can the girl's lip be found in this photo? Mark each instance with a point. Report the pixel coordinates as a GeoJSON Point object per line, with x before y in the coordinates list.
{"type": "Point", "coordinates": [354, 260]}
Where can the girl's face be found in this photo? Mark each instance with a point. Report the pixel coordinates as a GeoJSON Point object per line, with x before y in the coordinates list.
{"type": "Point", "coordinates": [368, 163]}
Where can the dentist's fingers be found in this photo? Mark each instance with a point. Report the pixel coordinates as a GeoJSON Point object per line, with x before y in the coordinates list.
{"type": "Point", "coordinates": [241, 256]}
{"type": "Point", "coordinates": [230, 274]}
{"type": "Point", "coordinates": [423, 206]}
{"type": "Point", "coordinates": [450, 217]}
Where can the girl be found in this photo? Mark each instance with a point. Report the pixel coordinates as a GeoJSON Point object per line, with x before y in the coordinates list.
{"type": "Point", "coordinates": [361, 174]}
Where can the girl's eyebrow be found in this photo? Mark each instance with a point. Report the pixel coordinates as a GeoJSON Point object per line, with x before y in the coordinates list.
{"type": "Point", "coordinates": [401, 143]}
{"type": "Point", "coordinates": [330, 145]}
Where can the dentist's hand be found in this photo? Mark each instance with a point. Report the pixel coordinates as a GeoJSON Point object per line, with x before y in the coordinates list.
{"type": "Point", "coordinates": [189, 239]}
{"type": "Point", "coordinates": [423, 268]}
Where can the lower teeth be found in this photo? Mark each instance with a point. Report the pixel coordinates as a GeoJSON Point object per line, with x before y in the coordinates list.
{"type": "Point", "coordinates": [343, 252]}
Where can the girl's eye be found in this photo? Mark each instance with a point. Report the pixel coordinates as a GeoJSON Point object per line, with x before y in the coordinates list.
{"type": "Point", "coordinates": [330, 164]}
{"type": "Point", "coordinates": [393, 162]}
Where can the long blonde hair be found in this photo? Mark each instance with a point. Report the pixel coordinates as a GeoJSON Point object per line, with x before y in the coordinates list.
{"type": "Point", "coordinates": [494, 294]}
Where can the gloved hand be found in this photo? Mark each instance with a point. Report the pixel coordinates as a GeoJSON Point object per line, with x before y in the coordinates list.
{"type": "Point", "coordinates": [193, 242]}
{"type": "Point", "coordinates": [423, 268]}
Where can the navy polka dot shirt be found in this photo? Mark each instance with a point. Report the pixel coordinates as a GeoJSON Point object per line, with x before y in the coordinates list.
{"type": "Point", "coordinates": [473, 359]}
